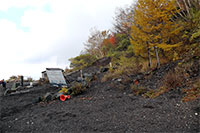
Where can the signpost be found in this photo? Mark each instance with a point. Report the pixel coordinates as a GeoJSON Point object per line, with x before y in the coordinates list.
{"type": "Point", "coordinates": [56, 77]}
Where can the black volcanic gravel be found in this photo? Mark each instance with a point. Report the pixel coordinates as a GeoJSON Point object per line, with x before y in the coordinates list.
{"type": "Point", "coordinates": [102, 108]}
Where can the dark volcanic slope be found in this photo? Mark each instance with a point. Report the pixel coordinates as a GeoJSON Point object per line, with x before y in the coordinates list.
{"type": "Point", "coordinates": [101, 108]}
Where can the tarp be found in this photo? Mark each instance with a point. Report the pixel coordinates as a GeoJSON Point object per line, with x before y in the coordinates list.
{"type": "Point", "coordinates": [56, 77]}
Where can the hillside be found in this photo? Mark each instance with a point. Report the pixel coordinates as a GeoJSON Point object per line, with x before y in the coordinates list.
{"type": "Point", "coordinates": [109, 106]}
{"type": "Point", "coordinates": [143, 75]}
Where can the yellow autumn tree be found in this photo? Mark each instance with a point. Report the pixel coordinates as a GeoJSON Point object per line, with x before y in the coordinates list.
{"type": "Point", "coordinates": [154, 25]}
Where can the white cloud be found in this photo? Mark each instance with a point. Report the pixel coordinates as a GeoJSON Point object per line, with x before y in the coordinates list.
{"type": "Point", "coordinates": [11, 40]}
{"type": "Point", "coordinates": [54, 36]}
{"type": "Point", "coordinates": [6, 4]}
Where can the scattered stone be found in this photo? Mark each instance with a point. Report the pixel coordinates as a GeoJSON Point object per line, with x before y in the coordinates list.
{"type": "Point", "coordinates": [79, 79]}
{"type": "Point", "coordinates": [130, 95]}
{"type": "Point", "coordinates": [104, 69]}
{"type": "Point", "coordinates": [119, 80]}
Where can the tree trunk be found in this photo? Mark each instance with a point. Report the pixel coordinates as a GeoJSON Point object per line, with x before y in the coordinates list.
{"type": "Point", "coordinates": [149, 57]}
{"type": "Point", "coordinates": [189, 3]}
{"type": "Point", "coordinates": [157, 58]}
{"type": "Point", "coordinates": [187, 8]}
{"type": "Point", "coordinates": [180, 13]}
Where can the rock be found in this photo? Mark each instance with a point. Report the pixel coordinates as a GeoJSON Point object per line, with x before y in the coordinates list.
{"type": "Point", "coordinates": [87, 74]}
{"type": "Point", "coordinates": [130, 95]}
{"type": "Point", "coordinates": [104, 69]}
{"type": "Point", "coordinates": [47, 97]}
{"type": "Point", "coordinates": [119, 80]}
{"type": "Point", "coordinates": [79, 79]}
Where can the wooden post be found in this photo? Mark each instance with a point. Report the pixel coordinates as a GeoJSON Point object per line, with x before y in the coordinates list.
{"type": "Point", "coordinates": [81, 74]}
{"type": "Point", "coordinates": [157, 58]}
{"type": "Point", "coordinates": [22, 80]}
{"type": "Point", "coordinates": [149, 57]}
{"type": "Point", "coordinates": [110, 65]}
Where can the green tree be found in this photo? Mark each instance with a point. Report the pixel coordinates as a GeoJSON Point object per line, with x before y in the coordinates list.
{"type": "Point", "coordinates": [81, 61]}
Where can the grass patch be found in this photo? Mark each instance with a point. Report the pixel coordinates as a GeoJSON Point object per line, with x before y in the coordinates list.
{"type": "Point", "coordinates": [155, 93]}
{"type": "Point", "coordinates": [138, 90]}
{"type": "Point", "coordinates": [124, 67]}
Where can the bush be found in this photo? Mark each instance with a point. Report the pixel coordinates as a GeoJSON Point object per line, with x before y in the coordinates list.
{"type": "Point", "coordinates": [81, 61]}
{"type": "Point", "coordinates": [172, 80]}
{"type": "Point", "coordinates": [78, 88]}
{"type": "Point", "coordinates": [193, 93]}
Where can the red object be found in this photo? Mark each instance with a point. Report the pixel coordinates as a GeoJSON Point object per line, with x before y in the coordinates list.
{"type": "Point", "coordinates": [112, 40]}
{"type": "Point", "coordinates": [64, 97]}
{"type": "Point", "coordinates": [136, 82]}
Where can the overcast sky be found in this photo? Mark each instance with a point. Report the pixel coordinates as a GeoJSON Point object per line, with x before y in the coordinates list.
{"type": "Point", "coordinates": [36, 34]}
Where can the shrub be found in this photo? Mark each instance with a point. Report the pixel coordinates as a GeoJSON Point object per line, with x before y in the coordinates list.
{"type": "Point", "coordinates": [81, 61]}
{"type": "Point", "coordinates": [193, 93]}
{"type": "Point", "coordinates": [181, 76]}
{"type": "Point", "coordinates": [78, 88]}
{"type": "Point", "coordinates": [172, 80]}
